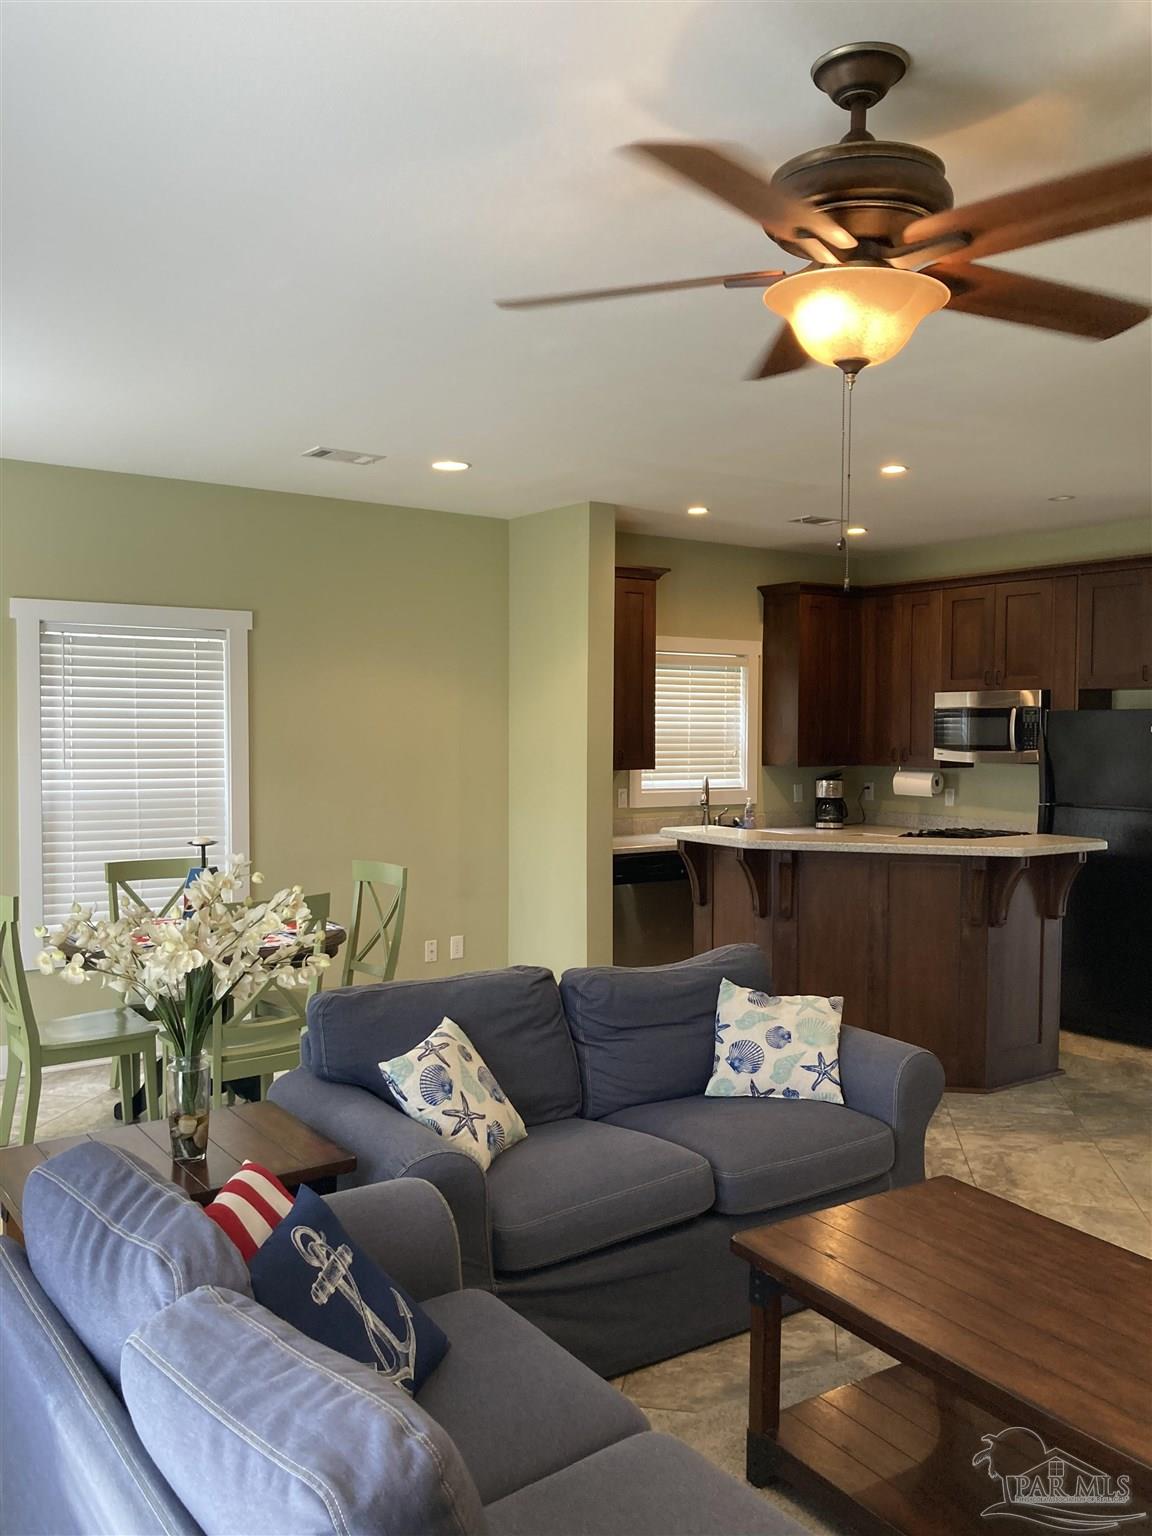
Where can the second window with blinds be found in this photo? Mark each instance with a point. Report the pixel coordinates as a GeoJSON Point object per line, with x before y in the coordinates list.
{"type": "Point", "coordinates": [707, 724]}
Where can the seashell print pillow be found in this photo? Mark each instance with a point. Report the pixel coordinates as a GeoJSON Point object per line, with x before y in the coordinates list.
{"type": "Point", "coordinates": [776, 1047]}
{"type": "Point", "coordinates": [445, 1084]}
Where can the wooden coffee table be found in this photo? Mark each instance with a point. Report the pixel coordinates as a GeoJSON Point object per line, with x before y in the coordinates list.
{"type": "Point", "coordinates": [263, 1132]}
{"type": "Point", "coordinates": [1024, 1344]}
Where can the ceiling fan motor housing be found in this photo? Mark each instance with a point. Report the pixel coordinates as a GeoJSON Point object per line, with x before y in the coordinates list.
{"type": "Point", "coordinates": [874, 189]}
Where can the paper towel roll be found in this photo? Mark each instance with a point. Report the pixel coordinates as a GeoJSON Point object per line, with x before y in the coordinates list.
{"type": "Point", "coordinates": [923, 784]}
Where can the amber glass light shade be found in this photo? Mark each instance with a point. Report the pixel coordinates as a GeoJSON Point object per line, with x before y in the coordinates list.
{"type": "Point", "coordinates": [860, 314]}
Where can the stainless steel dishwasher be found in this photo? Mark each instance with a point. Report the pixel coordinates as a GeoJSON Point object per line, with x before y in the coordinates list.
{"type": "Point", "coordinates": [651, 908]}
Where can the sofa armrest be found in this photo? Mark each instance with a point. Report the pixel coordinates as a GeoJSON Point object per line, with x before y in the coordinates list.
{"type": "Point", "coordinates": [894, 1082]}
{"type": "Point", "coordinates": [405, 1226]}
{"type": "Point", "coordinates": [390, 1145]}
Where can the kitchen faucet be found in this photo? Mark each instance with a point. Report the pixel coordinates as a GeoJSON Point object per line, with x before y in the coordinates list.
{"type": "Point", "coordinates": [706, 819]}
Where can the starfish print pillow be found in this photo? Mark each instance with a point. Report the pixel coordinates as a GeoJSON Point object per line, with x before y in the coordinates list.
{"type": "Point", "coordinates": [776, 1047]}
{"type": "Point", "coordinates": [445, 1084]}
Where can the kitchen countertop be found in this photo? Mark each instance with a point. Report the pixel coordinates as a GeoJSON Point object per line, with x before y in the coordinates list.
{"type": "Point", "coordinates": [880, 839]}
{"type": "Point", "coordinates": [644, 842]}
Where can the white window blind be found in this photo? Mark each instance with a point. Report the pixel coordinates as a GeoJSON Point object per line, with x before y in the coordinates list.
{"type": "Point", "coordinates": [134, 751]}
{"type": "Point", "coordinates": [702, 723]}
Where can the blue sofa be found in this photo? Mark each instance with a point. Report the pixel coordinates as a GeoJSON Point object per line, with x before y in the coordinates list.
{"type": "Point", "coordinates": [609, 1225]}
{"type": "Point", "coordinates": [143, 1390]}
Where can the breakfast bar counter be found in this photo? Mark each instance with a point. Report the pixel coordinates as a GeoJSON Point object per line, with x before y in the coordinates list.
{"type": "Point", "coordinates": [949, 943]}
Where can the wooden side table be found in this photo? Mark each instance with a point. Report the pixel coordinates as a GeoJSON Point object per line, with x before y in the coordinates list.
{"type": "Point", "coordinates": [263, 1133]}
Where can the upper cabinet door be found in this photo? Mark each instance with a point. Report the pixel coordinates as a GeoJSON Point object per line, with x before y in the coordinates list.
{"type": "Point", "coordinates": [1115, 629]}
{"type": "Point", "coordinates": [968, 631]}
{"type": "Point", "coordinates": [1024, 635]}
{"type": "Point", "coordinates": [634, 672]}
{"type": "Point", "coordinates": [882, 663]}
{"type": "Point", "coordinates": [920, 623]}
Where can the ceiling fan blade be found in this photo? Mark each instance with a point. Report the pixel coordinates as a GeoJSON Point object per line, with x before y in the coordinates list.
{"type": "Point", "coordinates": [724, 280]}
{"type": "Point", "coordinates": [785, 355]}
{"type": "Point", "coordinates": [746, 190]}
{"type": "Point", "coordinates": [1033, 301]}
{"type": "Point", "coordinates": [1107, 194]}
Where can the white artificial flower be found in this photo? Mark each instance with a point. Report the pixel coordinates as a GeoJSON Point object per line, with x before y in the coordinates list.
{"type": "Point", "coordinates": [50, 961]}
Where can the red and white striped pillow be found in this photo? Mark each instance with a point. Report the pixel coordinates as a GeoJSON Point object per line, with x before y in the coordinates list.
{"type": "Point", "coordinates": [249, 1207]}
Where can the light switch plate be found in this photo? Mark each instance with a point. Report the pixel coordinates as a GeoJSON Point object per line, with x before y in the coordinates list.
{"type": "Point", "coordinates": [949, 797]}
{"type": "Point", "coordinates": [797, 793]}
{"type": "Point", "coordinates": [456, 947]}
{"type": "Point", "coordinates": [622, 799]}
{"type": "Point", "coordinates": [431, 951]}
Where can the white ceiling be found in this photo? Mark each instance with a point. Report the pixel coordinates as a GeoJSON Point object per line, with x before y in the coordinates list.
{"type": "Point", "coordinates": [233, 231]}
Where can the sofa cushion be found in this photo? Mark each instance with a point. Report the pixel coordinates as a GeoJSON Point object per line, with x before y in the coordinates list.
{"type": "Point", "coordinates": [647, 1485]}
{"type": "Point", "coordinates": [444, 1083]}
{"type": "Point", "coordinates": [518, 1407]}
{"type": "Point", "coordinates": [262, 1430]}
{"type": "Point", "coordinates": [767, 1153]}
{"type": "Point", "coordinates": [576, 1185]}
{"type": "Point", "coordinates": [513, 1016]}
{"type": "Point", "coordinates": [647, 1033]}
{"type": "Point", "coordinates": [783, 1046]}
{"type": "Point", "coordinates": [311, 1274]}
{"type": "Point", "coordinates": [112, 1243]}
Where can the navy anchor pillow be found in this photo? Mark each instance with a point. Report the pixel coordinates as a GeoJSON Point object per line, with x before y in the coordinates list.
{"type": "Point", "coordinates": [310, 1273]}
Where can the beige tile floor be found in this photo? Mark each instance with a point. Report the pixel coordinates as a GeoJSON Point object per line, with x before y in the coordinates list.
{"type": "Point", "coordinates": [1077, 1148]}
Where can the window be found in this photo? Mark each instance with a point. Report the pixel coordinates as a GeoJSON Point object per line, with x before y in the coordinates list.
{"type": "Point", "coordinates": [133, 738]}
{"type": "Point", "coordinates": [707, 724]}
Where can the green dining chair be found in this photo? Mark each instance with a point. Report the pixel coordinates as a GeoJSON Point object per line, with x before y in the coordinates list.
{"type": "Point", "coordinates": [262, 1036]}
{"type": "Point", "coordinates": [117, 1034]}
{"type": "Point", "coordinates": [123, 875]}
{"type": "Point", "coordinates": [376, 932]}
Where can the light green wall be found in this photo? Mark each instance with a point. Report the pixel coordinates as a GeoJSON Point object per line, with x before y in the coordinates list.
{"type": "Point", "coordinates": [1008, 551]}
{"type": "Point", "coordinates": [560, 592]}
{"type": "Point", "coordinates": [986, 793]}
{"type": "Point", "coordinates": [378, 691]}
{"type": "Point", "coordinates": [710, 593]}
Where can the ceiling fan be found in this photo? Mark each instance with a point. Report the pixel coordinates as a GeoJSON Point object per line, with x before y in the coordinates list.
{"type": "Point", "coordinates": [884, 244]}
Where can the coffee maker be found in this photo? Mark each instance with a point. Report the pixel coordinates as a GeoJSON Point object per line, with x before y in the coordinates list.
{"type": "Point", "coordinates": [831, 809]}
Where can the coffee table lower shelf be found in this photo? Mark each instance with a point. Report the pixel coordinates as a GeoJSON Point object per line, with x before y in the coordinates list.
{"type": "Point", "coordinates": [893, 1453]}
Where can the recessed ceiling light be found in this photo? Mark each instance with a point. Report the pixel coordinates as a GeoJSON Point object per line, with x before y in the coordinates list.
{"type": "Point", "coordinates": [855, 531]}
{"type": "Point", "coordinates": [1061, 498]}
{"type": "Point", "coordinates": [450, 466]}
{"type": "Point", "coordinates": [697, 511]}
{"type": "Point", "coordinates": [893, 469]}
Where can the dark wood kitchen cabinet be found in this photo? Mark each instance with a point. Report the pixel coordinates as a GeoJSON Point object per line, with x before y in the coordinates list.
{"type": "Point", "coordinates": [1010, 634]}
{"type": "Point", "coordinates": [1115, 629]}
{"type": "Point", "coordinates": [899, 675]}
{"type": "Point", "coordinates": [811, 676]}
{"type": "Point", "coordinates": [634, 670]}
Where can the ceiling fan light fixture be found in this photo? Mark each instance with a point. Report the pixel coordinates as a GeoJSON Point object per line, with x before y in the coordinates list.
{"type": "Point", "coordinates": [855, 315]}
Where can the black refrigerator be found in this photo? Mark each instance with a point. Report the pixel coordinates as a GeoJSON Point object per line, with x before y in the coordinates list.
{"type": "Point", "coordinates": [1096, 781]}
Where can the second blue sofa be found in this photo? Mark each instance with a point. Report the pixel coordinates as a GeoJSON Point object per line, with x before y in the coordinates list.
{"type": "Point", "coordinates": [608, 1226]}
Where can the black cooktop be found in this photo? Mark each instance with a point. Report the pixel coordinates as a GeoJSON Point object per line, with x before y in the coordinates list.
{"type": "Point", "coordinates": [962, 832]}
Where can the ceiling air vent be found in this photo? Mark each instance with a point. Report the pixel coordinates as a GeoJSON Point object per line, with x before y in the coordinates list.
{"type": "Point", "coordinates": [342, 455]}
{"type": "Point", "coordinates": [816, 522]}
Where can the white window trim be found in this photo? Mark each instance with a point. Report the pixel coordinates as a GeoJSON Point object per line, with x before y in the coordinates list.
{"type": "Point", "coordinates": [29, 613]}
{"type": "Point", "coordinates": [638, 797]}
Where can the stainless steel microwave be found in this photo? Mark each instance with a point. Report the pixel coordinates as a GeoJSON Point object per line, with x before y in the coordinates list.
{"type": "Point", "coordinates": [998, 727]}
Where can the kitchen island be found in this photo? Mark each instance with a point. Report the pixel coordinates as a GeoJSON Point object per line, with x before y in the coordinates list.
{"type": "Point", "coordinates": [950, 944]}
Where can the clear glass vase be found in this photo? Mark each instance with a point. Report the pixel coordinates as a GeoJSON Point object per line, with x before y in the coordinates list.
{"type": "Point", "coordinates": [188, 1081]}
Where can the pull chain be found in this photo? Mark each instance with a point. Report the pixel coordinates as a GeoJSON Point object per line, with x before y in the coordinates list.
{"type": "Point", "coordinates": [846, 467]}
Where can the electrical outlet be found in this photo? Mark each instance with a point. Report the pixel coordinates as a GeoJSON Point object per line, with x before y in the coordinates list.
{"type": "Point", "coordinates": [621, 799]}
{"type": "Point", "coordinates": [456, 947]}
{"type": "Point", "coordinates": [869, 792]}
{"type": "Point", "coordinates": [431, 951]}
{"type": "Point", "coordinates": [949, 797]}
{"type": "Point", "coordinates": [797, 794]}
